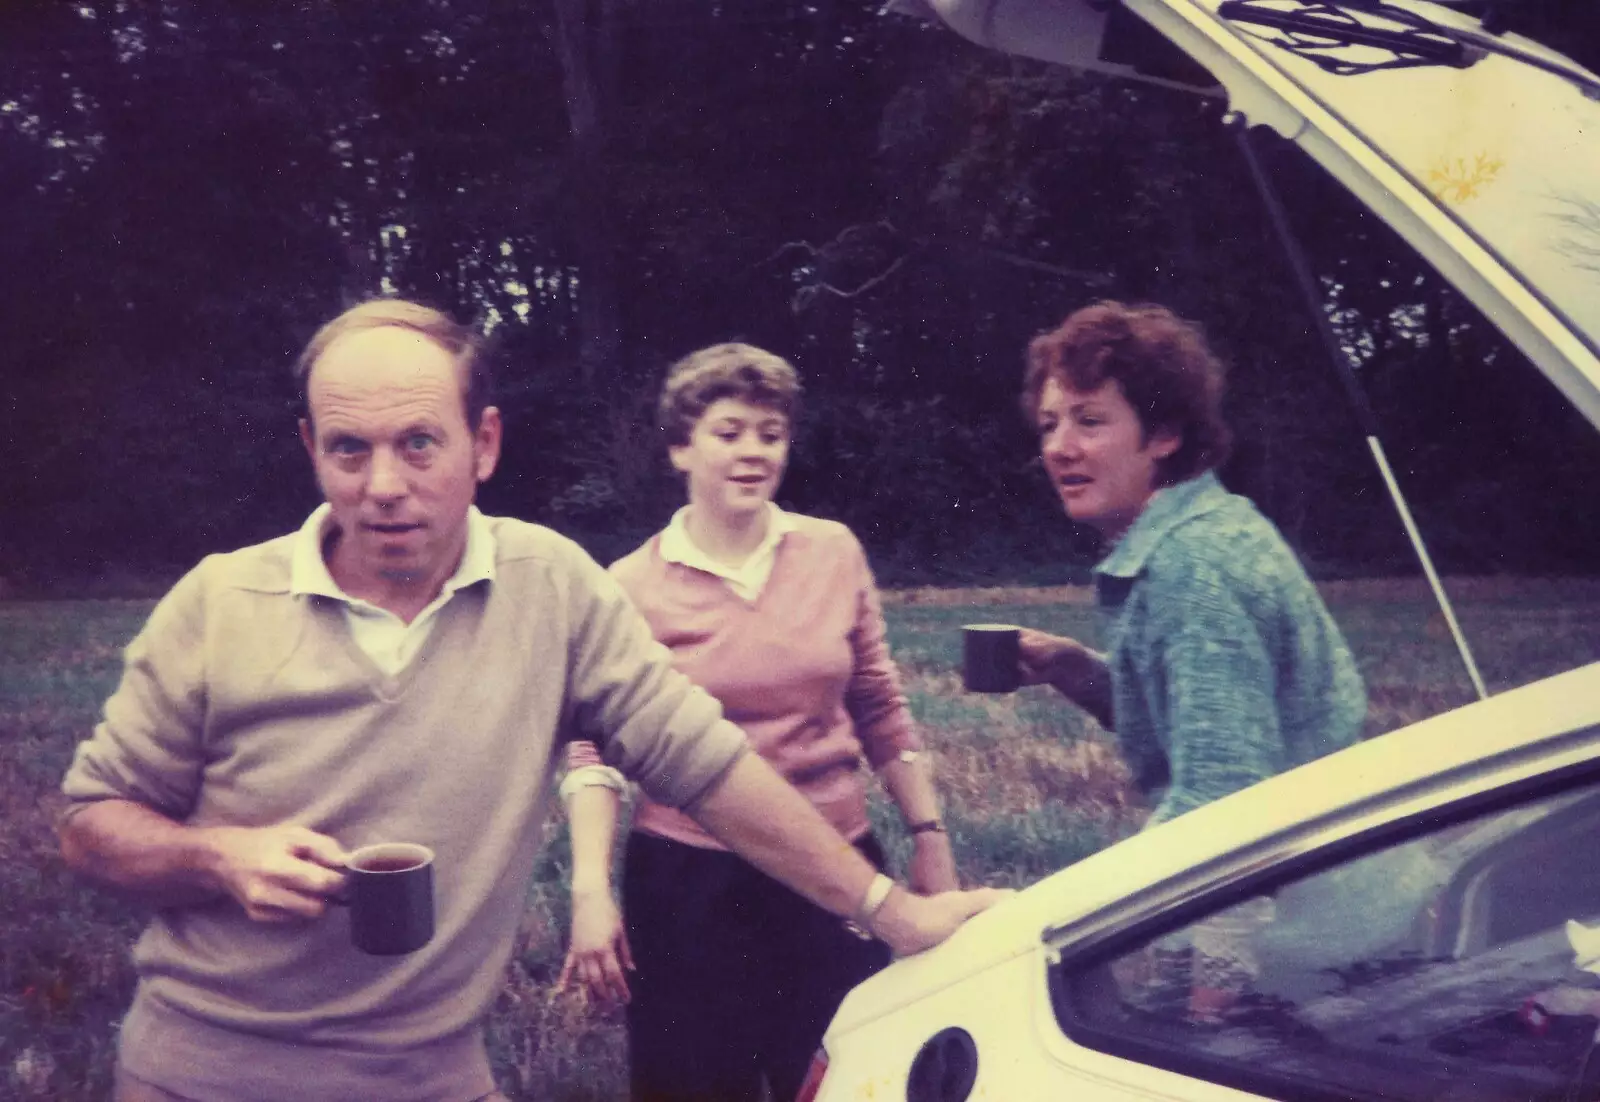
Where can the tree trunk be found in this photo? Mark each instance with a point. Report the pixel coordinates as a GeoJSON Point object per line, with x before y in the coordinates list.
{"type": "Point", "coordinates": [582, 32]}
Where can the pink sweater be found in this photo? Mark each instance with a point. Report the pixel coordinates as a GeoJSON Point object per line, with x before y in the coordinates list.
{"type": "Point", "coordinates": [804, 669]}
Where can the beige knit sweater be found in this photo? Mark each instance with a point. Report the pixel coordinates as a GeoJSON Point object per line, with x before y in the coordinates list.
{"type": "Point", "coordinates": [241, 704]}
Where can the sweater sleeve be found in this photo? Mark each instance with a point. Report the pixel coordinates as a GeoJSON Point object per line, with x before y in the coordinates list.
{"type": "Point", "coordinates": [873, 697]}
{"type": "Point", "coordinates": [648, 720]}
{"type": "Point", "coordinates": [582, 754]}
{"type": "Point", "coordinates": [148, 746]}
{"type": "Point", "coordinates": [1214, 683]}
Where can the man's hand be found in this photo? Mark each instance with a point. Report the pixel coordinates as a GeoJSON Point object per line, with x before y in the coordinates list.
{"type": "Point", "coordinates": [911, 923]}
{"type": "Point", "coordinates": [932, 868]}
{"type": "Point", "coordinates": [279, 873]}
{"type": "Point", "coordinates": [599, 956]}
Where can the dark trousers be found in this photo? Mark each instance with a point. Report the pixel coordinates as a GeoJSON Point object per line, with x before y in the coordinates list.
{"type": "Point", "coordinates": [737, 975]}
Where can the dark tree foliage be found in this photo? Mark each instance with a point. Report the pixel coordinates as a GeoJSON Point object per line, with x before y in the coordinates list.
{"type": "Point", "coordinates": [191, 188]}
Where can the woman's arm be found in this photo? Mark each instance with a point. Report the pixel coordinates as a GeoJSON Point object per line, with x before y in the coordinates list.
{"type": "Point", "coordinates": [888, 734]}
{"type": "Point", "coordinates": [1077, 672]}
{"type": "Point", "coordinates": [910, 786]}
{"type": "Point", "coordinates": [598, 955]}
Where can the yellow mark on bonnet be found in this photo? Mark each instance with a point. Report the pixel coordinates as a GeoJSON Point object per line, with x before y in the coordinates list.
{"type": "Point", "coordinates": [1457, 180]}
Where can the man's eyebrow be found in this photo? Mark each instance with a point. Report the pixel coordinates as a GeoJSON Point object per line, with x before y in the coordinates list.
{"type": "Point", "coordinates": [334, 439]}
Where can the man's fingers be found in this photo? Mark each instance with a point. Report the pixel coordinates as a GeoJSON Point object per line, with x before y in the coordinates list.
{"type": "Point", "coordinates": [981, 899]}
{"type": "Point", "coordinates": [308, 845]}
{"type": "Point", "coordinates": [265, 901]}
{"type": "Point", "coordinates": [308, 878]}
{"type": "Point", "coordinates": [625, 951]}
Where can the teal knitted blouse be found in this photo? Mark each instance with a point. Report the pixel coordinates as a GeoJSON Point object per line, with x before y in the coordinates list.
{"type": "Point", "coordinates": [1226, 666]}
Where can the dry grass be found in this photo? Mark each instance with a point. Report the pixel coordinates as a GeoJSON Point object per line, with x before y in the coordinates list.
{"type": "Point", "coordinates": [1028, 783]}
{"type": "Point", "coordinates": [990, 595]}
{"type": "Point", "coordinates": [1463, 588]}
{"type": "Point", "coordinates": [998, 761]}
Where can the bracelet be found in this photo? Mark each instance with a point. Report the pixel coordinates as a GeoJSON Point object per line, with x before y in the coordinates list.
{"type": "Point", "coordinates": [933, 826]}
{"type": "Point", "coordinates": [872, 902]}
{"type": "Point", "coordinates": [596, 776]}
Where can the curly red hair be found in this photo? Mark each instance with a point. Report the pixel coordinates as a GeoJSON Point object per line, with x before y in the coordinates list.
{"type": "Point", "coordinates": [1162, 363]}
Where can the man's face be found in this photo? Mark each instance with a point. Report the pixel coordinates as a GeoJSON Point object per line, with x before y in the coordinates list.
{"type": "Point", "coordinates": [395, 457]}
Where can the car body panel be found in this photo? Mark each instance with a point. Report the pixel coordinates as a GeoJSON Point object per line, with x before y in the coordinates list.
{"type": "Point", "coordinates": [974, 979]}
{"type": "Point", "coordinates": [1006, 1008]}
{"type": "Point", "coordinates": [1514, 735]}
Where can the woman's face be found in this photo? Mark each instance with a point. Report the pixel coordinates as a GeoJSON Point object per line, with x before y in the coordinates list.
{"type": "Point", "coordinates": [1097, 455]}
{"type": "Point", "coordinates": [735, 457]}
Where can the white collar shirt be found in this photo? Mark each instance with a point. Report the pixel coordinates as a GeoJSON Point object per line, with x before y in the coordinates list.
{"type": "Point", "coordinates": [749, 578]}
{"type": "Point", "coordinates": [385, 638]}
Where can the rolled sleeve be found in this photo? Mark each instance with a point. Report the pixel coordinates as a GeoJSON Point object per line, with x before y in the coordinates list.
{"type": "Point", "coordinates": [582, 754]}
{"type": "Point", "coordinates": [149, 745]}
{"type": "Point", "coordinates": [647, 720]}
{"type": "Point", "coordinates": [1216, 683]}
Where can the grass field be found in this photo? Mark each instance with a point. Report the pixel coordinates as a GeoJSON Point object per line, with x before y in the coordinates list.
{"type": "Point", "coordinates": [1029, 787]}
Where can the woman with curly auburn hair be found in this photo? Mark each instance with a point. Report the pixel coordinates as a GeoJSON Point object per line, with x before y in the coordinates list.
{"type": "Point", "coordinates": [729, 977]}
{"type": "Point", "coordinates": [1224, 665]}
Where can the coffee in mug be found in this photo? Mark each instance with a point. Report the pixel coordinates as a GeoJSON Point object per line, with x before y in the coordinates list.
{"type": "Point", "coordinates": [391, 897]}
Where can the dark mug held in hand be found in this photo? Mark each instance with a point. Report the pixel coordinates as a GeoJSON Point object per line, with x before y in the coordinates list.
{"type": "Point", "coordinates": [391, 898]}
{"type": "Point", "coordinates": [991, 658]}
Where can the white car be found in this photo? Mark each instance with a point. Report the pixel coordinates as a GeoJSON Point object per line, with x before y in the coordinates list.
{"type": "Point", "coordinates": [1417, 917]}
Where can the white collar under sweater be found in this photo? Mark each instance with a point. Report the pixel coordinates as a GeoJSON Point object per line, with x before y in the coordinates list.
{"type": "Point", "coordinates": [749, 578]}
{"type": "Point", "coordinates": [389, 641]}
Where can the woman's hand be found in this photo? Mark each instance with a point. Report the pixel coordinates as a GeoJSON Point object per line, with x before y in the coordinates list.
{"type": "Point", "coordinates": [1047, 659]}
{"type": "Point", "coordinates": [932, 868]}
{"type": "Point", "coordinates": [599, 957]}
{"type": "Point", "coordinates": [1074, 670]}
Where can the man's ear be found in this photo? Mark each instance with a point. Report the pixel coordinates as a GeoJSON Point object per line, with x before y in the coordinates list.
{"type": "Point", "coordinates": [486, 443]}
{"type": "Point", "coordinates": [308, 437]}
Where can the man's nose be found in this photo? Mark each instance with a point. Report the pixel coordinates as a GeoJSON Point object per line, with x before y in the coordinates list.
{"type": "Point", "coordinates": [386, 476]}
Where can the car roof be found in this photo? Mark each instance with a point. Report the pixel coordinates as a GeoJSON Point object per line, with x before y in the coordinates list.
{"type": "Point", "coordinates": [1483, 158]}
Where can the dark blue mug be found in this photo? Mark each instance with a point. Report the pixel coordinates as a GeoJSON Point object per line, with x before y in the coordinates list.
{"type": "Point", "coordinates": [991, 658]}
{"type": "Point", "coordinates": [391, 897]}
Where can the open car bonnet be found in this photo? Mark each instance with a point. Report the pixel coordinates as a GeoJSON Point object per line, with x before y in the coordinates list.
{"type": "Point", "coordinates": [1482, 151]}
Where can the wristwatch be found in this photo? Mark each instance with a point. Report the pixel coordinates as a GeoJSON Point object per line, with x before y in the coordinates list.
{"type": "Point", "coordinates": [908, 756]}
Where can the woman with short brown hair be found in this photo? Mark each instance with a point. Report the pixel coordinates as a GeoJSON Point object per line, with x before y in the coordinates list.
{"type": "Point", "coordinates": [735, 977]}
{"type": "Point", "coordinates": [1224, 666]}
